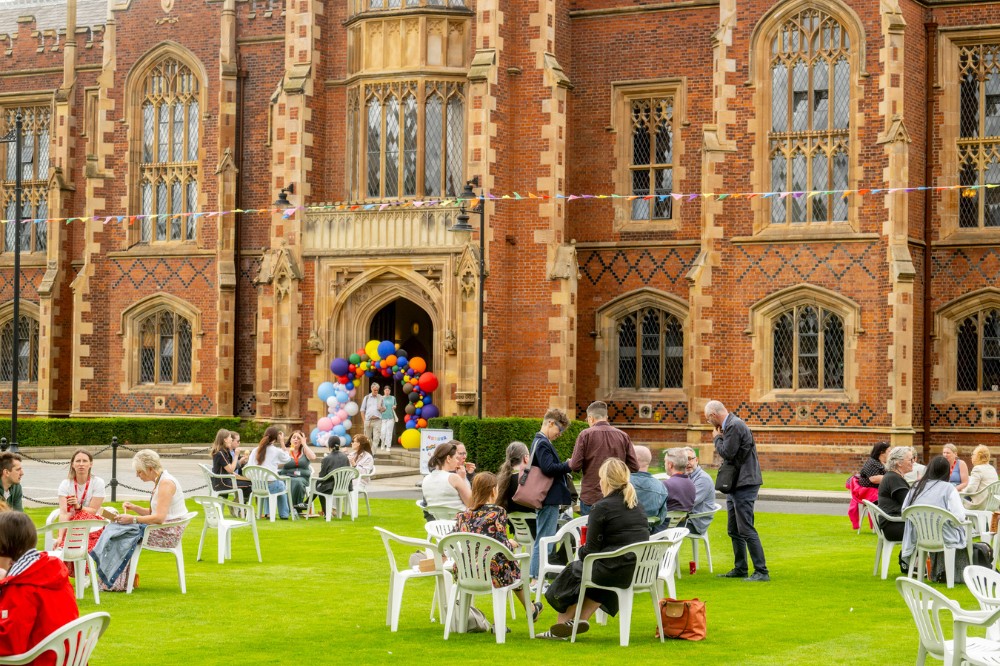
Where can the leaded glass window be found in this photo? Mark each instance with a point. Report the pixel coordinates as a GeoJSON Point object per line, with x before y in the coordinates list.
{"type": "Point", "coordinates": [978, 352]}
{"type": "Point", "coordinates": [651, 167]}
{"type": "Point", "coordinates": [650, 350]}
{"type": "Point", "coordinates": [397, 116]}
{"type": "Point", "coordinates": [808, 350]}
{"type": "Point", "coordinates": [27, 352]}
{"type": "Point", "coordinates": [979, 136]}
{"type": "Point", "coordinates": [810, 75]}
{"type": "Point", "coordinates": [164, 341]}
{"type": "Point", "coordinates": [169, 170]}
{"type": "Point", "coordinates": [34, 178]}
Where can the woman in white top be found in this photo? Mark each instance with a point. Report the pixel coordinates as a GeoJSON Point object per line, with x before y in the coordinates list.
{"type": "Point", "coordinates": [446, 485]}
{"type": "Point", "coordinates": [81, 494]}
{"type": "Point", "coordinates": [934, 489]}
{"type": "Point", "coordinates": [361, 457]}
{"type": "Point", "coordinates": [272, 454]}
{"type": "Point", "coordinates": [983, 474]}
{"type": "Point", "coordinates": [166, 502]}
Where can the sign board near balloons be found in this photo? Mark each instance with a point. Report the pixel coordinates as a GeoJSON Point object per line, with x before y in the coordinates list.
{"type": "Point", "coordinates": [388, 360]}
{"type": "Point", "coordinates": [429, 439]}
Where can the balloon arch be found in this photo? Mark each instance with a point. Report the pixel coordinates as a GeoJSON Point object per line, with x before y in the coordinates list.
{"type": "Point", "coordinates": [377, 359]}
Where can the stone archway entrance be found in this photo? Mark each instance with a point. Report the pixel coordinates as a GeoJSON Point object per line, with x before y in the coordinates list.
{"type": "Point", "coordinates": [408, 325]}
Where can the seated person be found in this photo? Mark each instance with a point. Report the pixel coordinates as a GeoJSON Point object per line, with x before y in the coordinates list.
{"type": "Point", "coordinates": [893, 488]}
{"type": "Point", "coordinates": [651, 492]}
{"type": "Point", "coordinates": [81, 494]}
{"type": "Point", "coordinates": [442, 487]}
{"type": "Point", "coordinates": [508, 476]}
{"type": "Point", "coordinates": [937, 489]}
{"type": "Point", "coordinates": [616, 520]}
{"type": "Point", "coordinates": [681, 492]}
{"type": "Point", "coordinates": [36, 597]}
{"type": "Point", "coordinates": [983, 475]}
{"type": "Point", "coordinates": [335, 459]}
{"type": "Point", "coordinates": [704, 499]}
{"type": "Point", "coordinates": [11, 473]}
{"type": "Point", "coordinates": [864, 484]}
{"type": "Point", "coordinates": [226, 459]}
{"type": "Point", "coordinates": [298, 469]}
{"type": "Point", "coordinates": [361, 458]}
{"type": "Point", "coordinates": [486, 518]}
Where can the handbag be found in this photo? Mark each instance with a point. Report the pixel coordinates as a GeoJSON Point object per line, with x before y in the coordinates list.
{"type": "Point", "coordinates": [533, 485]}
{"type": "Point", "coordinates": [683, 619]}
{"type": "Point", "coordinates": [726, 478]}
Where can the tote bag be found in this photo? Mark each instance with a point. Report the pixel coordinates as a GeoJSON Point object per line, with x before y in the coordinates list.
{"type": "Point", "coordinates": [533, 485]}
{"type": "Point", "coordinates": [684, 619]}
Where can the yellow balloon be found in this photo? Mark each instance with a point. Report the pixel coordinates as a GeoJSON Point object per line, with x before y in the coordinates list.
{"type": "Point", "coordinates": [410, 439]}
{"type": "Point", "coordinates": [372, 350]}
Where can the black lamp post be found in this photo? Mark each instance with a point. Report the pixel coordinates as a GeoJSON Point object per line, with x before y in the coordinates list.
{"type": "Point", "coordinates": [462, 224]}
{"type": "Point", "coordinates": [283, 201]}
{"type": "Point", "coordinates": [16, 137]}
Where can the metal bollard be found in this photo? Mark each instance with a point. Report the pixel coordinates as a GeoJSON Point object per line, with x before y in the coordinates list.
{"type": "Point", "coordinates": [3, 443]}
{"type": "Point", "coordinates": [114, 469]}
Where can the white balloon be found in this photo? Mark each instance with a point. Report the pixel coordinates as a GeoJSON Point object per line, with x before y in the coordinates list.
{"type": "Point", "coordinates": [352, 408]}
{"type": "Point", "coordinates": [346, 423]}
{"type": "Point", "coordinates": [331, 402]}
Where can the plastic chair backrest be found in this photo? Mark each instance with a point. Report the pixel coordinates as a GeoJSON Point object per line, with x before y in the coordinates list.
{"type": "Point", "coordinates": [648, 557]}
{"type": "Point", "coordinates": [259, 478]}
{"type": "Point", "coordinates": [674, 538]}
{"type": "Point", "coordinates": [388, 538]}
{"type": "Point", "coordinates": [472, 555]}
{"type": "Point", "coordinates": [569, 534]}
{"type": "Point", "coordinates": [927, 523]}
{"type": "Point", "coordinates": [925, 604]}
{"type": "Point", "coordinates": [992, 497]}
{"type": "Point", "coordinates": [72, 643]}
{"type": "Point", "coordinates": [674, 518]}
{"type": "Point", "coordinates": [77, 542]}
{"type": "Point", "coordinates": [437, 529]}
{"type": "Point", "coordinates": [519, 521]}
{"type": "Point", "coordinates": [878, 514]}
{"type": "Point", "coordinates": [984, 584]}
{"type": "Point", "coordinates": [214, 513]}
{"type": "Point", "coordinates": [342, 477]}
{"type": "Point", "coordinates": [442, 512]}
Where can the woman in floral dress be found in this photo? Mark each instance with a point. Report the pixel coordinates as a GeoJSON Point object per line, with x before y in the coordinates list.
{"type": "Point", "coordinates": [484, 517]}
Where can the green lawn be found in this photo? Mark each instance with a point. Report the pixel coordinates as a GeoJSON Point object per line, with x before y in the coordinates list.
{"type": "Point", "coordinates": [320, 598]}
{"type": "Point", "coordinates": [794, 480]}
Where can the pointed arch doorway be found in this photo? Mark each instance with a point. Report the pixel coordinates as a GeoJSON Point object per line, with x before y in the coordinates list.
{"type": "Point", "coordinates": [408, 325]}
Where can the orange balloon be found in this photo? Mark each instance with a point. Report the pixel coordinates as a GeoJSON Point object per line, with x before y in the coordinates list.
{"type": "Point", "coordinates": [418, 364]}
{"type": "Point", "coordinates": [390, 360]}
{"type": "Point", "coordinates": [421, 423]}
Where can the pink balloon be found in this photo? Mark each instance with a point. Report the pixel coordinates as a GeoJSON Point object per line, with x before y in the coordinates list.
{"type": "Point", "coordinates": [350, 394]}
{"type": "Point", "coordinates": [335, 420]}
{"type": "Point", "coordinates": [325, 424]}
{"type": "Point", "coordinates": [342, 414]}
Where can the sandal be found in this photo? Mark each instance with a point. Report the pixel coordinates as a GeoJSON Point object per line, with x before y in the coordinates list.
{"type": "Point", "coordinates": [548, 635]}
{"type": "Point", "coordinates": [537, 606]}
{"type": "Point", "coordinates": [565, 629]}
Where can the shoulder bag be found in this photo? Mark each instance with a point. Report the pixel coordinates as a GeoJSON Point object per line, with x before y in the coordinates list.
{"type": "Point", "coordinates": [683, 619]}
{"type": "Point", "coordinates": [729, 472]}
{"type": "Point", "coordinates": [533, 485]}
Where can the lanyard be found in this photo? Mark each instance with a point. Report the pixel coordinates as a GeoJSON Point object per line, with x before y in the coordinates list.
{"type": "Point", "coordinates": [76, 491]}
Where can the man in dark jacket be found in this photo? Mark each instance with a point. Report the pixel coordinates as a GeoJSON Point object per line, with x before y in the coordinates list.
{"type": "Point", "coordinates": [546, 458]}
{"type": "Point", "coordinates": [735, 445]}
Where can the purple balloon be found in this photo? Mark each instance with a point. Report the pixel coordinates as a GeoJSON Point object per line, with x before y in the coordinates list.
{"type": "Point", "coordinates": [340, 366]}
{"type": "Point", "coordinates": [429, 411]}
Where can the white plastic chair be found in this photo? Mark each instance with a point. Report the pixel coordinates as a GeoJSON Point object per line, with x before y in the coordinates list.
{"type": "Point", "coordinates": [648, 558]}
{"type": "Point", "coordinates": [992, 493]}
{"type": "Point", "coordinates": [925, 604]}
{"type": "Point", "coordinates": [569, 536]}
{"type": "Point", "coordinates": [862, 512]}
{"type": "Point", "coordinates": [50, 537]}
{"type": "Point", "coordinates": [72, 644]}
{"type": "Point", "coordinates": [177, 550]}
{"type": "Point", "coordinates": [884, 546]}
{"type": "Point", "coordinates": [230, 479]}
{"type": "Point", "coordinates": [695, 538]}
{"type": "Point", "coordinates": [361, 488]}
{"type": "Point", "coordinates": [668, 573]}
{"type": "Point", "coordinates": [522, 533]}
{"type": "Point", "coordinates": [75, 551]}
{"type": "Point", "coordinates": [342, 477]}
{"type": "Point", "coordinates": [399, 576]}
{"type": "Point", "coordinates": [260, 479]}
{"type": "Point", "coordinates": [928, 523]}
{"type": "Point", "coordinates": [472, 554]}
{"type": "Point", "coordinates": [984, 584]}
{"type": "Point", "coordinates": [215, 519]}
{"type": "Point", "coordinates": [438, 529]}
{"type": "Point", "coordinates": [439, 512]}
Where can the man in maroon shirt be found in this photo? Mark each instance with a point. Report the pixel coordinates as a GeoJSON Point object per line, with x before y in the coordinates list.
{"type": "Point", "coordinates": [595, 445]}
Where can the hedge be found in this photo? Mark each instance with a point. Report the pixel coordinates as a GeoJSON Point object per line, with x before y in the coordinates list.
{"type": "Point", "coordinates": [486, 440]}
{"type": "Point", "coordinates": [96, 432]}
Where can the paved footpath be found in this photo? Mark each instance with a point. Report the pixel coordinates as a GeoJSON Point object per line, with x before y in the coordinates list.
{"type": "Point", "coordinates": [41, 479]}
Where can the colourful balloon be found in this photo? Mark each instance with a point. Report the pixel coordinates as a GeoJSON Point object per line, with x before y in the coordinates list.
{"type": "Point", "coordinates": [430, 411]}
{"type": "Point", "coordinates": [428, 382]}
{"type": "Point", "coordinates": [372, 350]}
{"type": "Point", "coordinates": [385, 348]}
{"type": "Point", "coordinates": [354, 358]}
{"type": "Point", "coordinates": [325, 390]}
{"type": "Point", "coordinates": [391, 359]}
{"type": "Point", "coordinates": [325, 424]}
{"type": "Point", "coordinates": [339, 366]}
{"type": "Point", "coordinates": [418, 365]}
{"type": "Point", "coordinates": [410, 439]}
{"type": "Point", "coordinates": [421, 423]}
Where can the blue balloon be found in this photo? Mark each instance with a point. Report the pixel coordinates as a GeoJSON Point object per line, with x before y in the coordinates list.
{"type": "Point", "coordinates": [417, 411]}
{"type": "Point", "coordinates": [427, 399]}
{"type": "Point", "coordinates": [314, 434]}
{"type": "Point", "coordinates": [341, 396]}
{"type": "Point", "coordinates": [339, 430]}
{"type": "Point", "coordinates": [386, 348]}
{"type": "Point", "coordinates": [340, 366]}
{"type": "Point", "coordinates": [430, 411]}
{"type": "Point", "coordinates": [349, 385]}
{"type": "Point", "coordinates": [325, 391]}
{"type": "Point", "coordinates": [401, 361]}
{"type": "Point", "coordinates": [411, 424]}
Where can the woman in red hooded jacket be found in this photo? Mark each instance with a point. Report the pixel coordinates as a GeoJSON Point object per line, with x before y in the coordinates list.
{"type": "Point", "coordinates": [36, 597]}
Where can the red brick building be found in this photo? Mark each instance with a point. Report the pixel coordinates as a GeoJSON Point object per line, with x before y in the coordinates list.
{"type": "Point", "coordinates": [827, 321]}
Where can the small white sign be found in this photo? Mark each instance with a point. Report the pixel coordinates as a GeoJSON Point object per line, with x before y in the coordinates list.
{"type": "Point", "coordinates": [429, 439]}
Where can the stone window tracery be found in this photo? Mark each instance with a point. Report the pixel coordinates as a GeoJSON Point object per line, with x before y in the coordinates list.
{"type": "Point", "coordinates": [979, 135]}
{"type": "Point", "coordinates": [34, 177]}
{"type": "Point", "coordinates": [808, 349]}
{"type": "Point", "coordinates": [164, 348]}
{"type": "Point", "coordinates": [650, 350]}
{"type": "Point", "coordinates": [977, 366]}
{"type": "Point", "coordinates": [26, 354]}
{"type": "Point", "coordinates": [651, 167]}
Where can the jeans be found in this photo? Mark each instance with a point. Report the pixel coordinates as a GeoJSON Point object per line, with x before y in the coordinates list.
{"type": "Point", "coordinates": [546, 524]}
{"type": "Point", "coordinates": [739, 505]}
{"type": "Point", "coordinates": [585, 508]}
{"type": "Point", "coordinates": [277, 487]}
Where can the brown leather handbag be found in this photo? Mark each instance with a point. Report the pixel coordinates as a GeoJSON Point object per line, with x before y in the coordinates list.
{"type": "Point", "coordinates": [683, 619]}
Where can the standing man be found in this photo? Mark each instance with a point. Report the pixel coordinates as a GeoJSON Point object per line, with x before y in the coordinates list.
{"type": "Point", "coordinates": [371, 407]}
{"type": "Point", "coordinates": [595, 445]}
{"type": "Point", "coordinates": [704, 499]}
{"type": "Point", "coordinates": [735, 445]}
{"type": "Point", "coordinates": [10, 480]}
{"type": "Point", "coordinates": [680, 490]}
{"type": "Point", "coordinates": [388, 417]}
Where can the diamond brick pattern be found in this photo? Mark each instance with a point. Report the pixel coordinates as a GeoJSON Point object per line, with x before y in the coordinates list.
{"type": "Point", "coordinates": [164, 274]}
{"type": "Point", "coordinates": [627, 411]}
{"type": "Point", "coordinates": [963, 265]}
{"type": "Point", "coordinates": [175, 404]}
{"type": "Point", "coordinates": [27, 397]}
{"type": "Point", "coordinates": [648, 266]}
{"type": "Point", "coordinates": [30, 277]}
{"type": "Point", "coordinates": [819, 414]}
{"type": "Point", "coordinates": [962, 416]}
{"type": "Point", "coordinates": [805, 263]}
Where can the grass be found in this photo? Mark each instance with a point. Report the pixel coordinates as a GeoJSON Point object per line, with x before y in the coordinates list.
{"type": "Point", "coordinates": [794, 480]}
{"type": "Point", "coordinates": [320, 597]}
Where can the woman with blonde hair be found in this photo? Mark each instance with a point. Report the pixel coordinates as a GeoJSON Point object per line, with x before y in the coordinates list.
{"type": "Point", "coordinates": [616, 520]}
{"type": "Point", "coordinates": [983, 474]}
